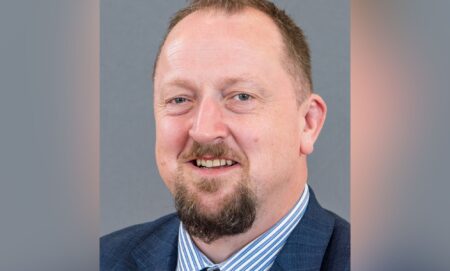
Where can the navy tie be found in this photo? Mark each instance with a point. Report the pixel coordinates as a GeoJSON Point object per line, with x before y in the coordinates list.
{"type": "Point", "coordinates": [210, 269]}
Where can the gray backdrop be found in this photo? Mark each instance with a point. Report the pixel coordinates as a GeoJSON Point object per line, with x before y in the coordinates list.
{"type": "Point", "coordinates": [131, 190]}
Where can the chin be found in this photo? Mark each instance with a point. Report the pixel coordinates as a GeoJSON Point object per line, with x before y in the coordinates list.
{"type": "Point", "coordinates": [212, 204]}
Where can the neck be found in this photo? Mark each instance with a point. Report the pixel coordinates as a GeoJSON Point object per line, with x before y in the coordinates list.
{"type": "Point", "coordinates": [268, 214]}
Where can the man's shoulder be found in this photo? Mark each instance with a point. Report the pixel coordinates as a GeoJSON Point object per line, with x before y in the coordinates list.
{"type": "Point", "coordinates": [132, 235]}
{"type": "Point", "coordinates": [321, 241]}
{"type": "Point", "coordinates": [117, 247]}
{"type": "Point", "coordinates": [337, 253]}
{"type": "Point", "coordinates": [341, 226]}
{"type": "Point", "coordinates": [319, 217]}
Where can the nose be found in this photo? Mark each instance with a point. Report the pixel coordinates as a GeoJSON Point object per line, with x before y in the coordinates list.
{"type": "Point", "coordinates": [208, 126]}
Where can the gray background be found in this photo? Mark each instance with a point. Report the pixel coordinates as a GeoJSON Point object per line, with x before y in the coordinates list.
{"type": "Point", "coordinates": [131, 190]}
{"type": "Point", "coordinates": [49, 134]}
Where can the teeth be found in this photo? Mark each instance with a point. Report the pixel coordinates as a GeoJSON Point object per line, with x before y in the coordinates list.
{"type": "Point", "coordinates": [216, 163]}
{"type": "Point", "coordinates": [213, 163]}
{"type": "Point", "coordinates": [209, 163]}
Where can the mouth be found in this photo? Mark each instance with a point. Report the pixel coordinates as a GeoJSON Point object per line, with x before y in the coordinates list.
{"type": "Point", "coordinates": [209, 163]}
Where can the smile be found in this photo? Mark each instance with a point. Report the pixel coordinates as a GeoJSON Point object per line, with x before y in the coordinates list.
{"type": "Point", "coordinates": [213, 163]}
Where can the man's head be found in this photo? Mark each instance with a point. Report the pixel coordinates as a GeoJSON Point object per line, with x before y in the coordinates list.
{"type": "Point", "coordinates": [235, 117]}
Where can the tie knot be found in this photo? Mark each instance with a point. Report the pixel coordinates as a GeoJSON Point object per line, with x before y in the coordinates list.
{"type": "Point", "coordinates": [214, 268]}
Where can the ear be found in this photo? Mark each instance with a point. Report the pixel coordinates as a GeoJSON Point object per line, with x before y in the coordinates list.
{"type": "Point", "coordinates": [313, 113]}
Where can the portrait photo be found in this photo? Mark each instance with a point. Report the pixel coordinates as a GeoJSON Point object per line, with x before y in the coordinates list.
{"type": "Point", "coordinates": [225, 135]}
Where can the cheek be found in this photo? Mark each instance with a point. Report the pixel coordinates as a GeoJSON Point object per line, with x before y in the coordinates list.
{"type": "Point", "coordinates": [171, 136]}
{"type": "Point", "coordinates": [171, 133]}
{"type": "Point", "coordinates": [268, 135]}
{"type": "Point", "coordinates": [255, 138]}
{"type": "Point", "coordinates": [272, 145]}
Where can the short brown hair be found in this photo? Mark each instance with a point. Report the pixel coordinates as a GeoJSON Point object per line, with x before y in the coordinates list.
{"type": "Point", "coordinates": [296, 47]}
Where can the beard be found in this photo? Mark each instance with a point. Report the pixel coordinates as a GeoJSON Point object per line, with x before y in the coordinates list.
{"type": "Point", "coordinates": [235, 213]}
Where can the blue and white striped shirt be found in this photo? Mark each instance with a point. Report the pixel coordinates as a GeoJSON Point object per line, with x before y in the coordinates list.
{"type": "Point", "coordinates": [259, 255]}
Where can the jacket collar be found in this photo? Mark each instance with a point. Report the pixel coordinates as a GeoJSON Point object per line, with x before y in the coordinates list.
{"type": "Point", "coordinates": [306, 246]}
{"type": "Point", "coordinates": [159, 250]}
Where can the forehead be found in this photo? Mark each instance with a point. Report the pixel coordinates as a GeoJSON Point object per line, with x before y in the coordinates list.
{"type": "Point", "coordinates": [212, 44]}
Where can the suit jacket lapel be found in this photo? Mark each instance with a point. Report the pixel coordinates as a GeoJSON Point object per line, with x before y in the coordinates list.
{"type": "Point", "coordinates": [160, 250]}
{"type": "Point", "coordinates": [306, 246]}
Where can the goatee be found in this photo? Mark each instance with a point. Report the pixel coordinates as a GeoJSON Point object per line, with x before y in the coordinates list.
{"type": "Point", "coordinates": [236, 215]}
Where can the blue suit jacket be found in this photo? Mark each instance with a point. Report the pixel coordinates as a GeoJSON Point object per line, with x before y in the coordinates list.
{"type": "Point", "coordinates": [321, 241]}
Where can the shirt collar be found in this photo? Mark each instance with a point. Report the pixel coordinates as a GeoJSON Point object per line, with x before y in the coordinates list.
{"type": "Point", "coordinates": [258, 255]}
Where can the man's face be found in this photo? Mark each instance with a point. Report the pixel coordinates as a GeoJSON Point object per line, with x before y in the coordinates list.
{"type": "Point", "coordinates": [227, 118]}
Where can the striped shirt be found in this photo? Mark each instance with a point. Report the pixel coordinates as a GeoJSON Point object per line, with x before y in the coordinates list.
{"type": "Point", "coordinates": [259, 255]}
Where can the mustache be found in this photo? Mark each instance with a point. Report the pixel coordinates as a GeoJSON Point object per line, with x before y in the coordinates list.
{"type": "Point", "coordinates": [217, 150]}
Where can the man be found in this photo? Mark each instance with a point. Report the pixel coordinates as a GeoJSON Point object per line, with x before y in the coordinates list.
{"type": "Point", "coordinates": [235, 120]}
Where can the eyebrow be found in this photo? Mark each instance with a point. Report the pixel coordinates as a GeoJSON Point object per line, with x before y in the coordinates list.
{"type": "Point", "coordinates": [231, 81]}
{"type": "Point", "coordinates": [224, 83]}
{"type": "Point", "coordinates": [179, 82]}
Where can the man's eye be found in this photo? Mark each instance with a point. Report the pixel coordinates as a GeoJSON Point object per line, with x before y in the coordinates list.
{"type": "Point", "coordinates": [178, 105]}
{"type": "Point", "coordinates": [242, 97]}
{"type": "Point", "coordinates": [178, 100]}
